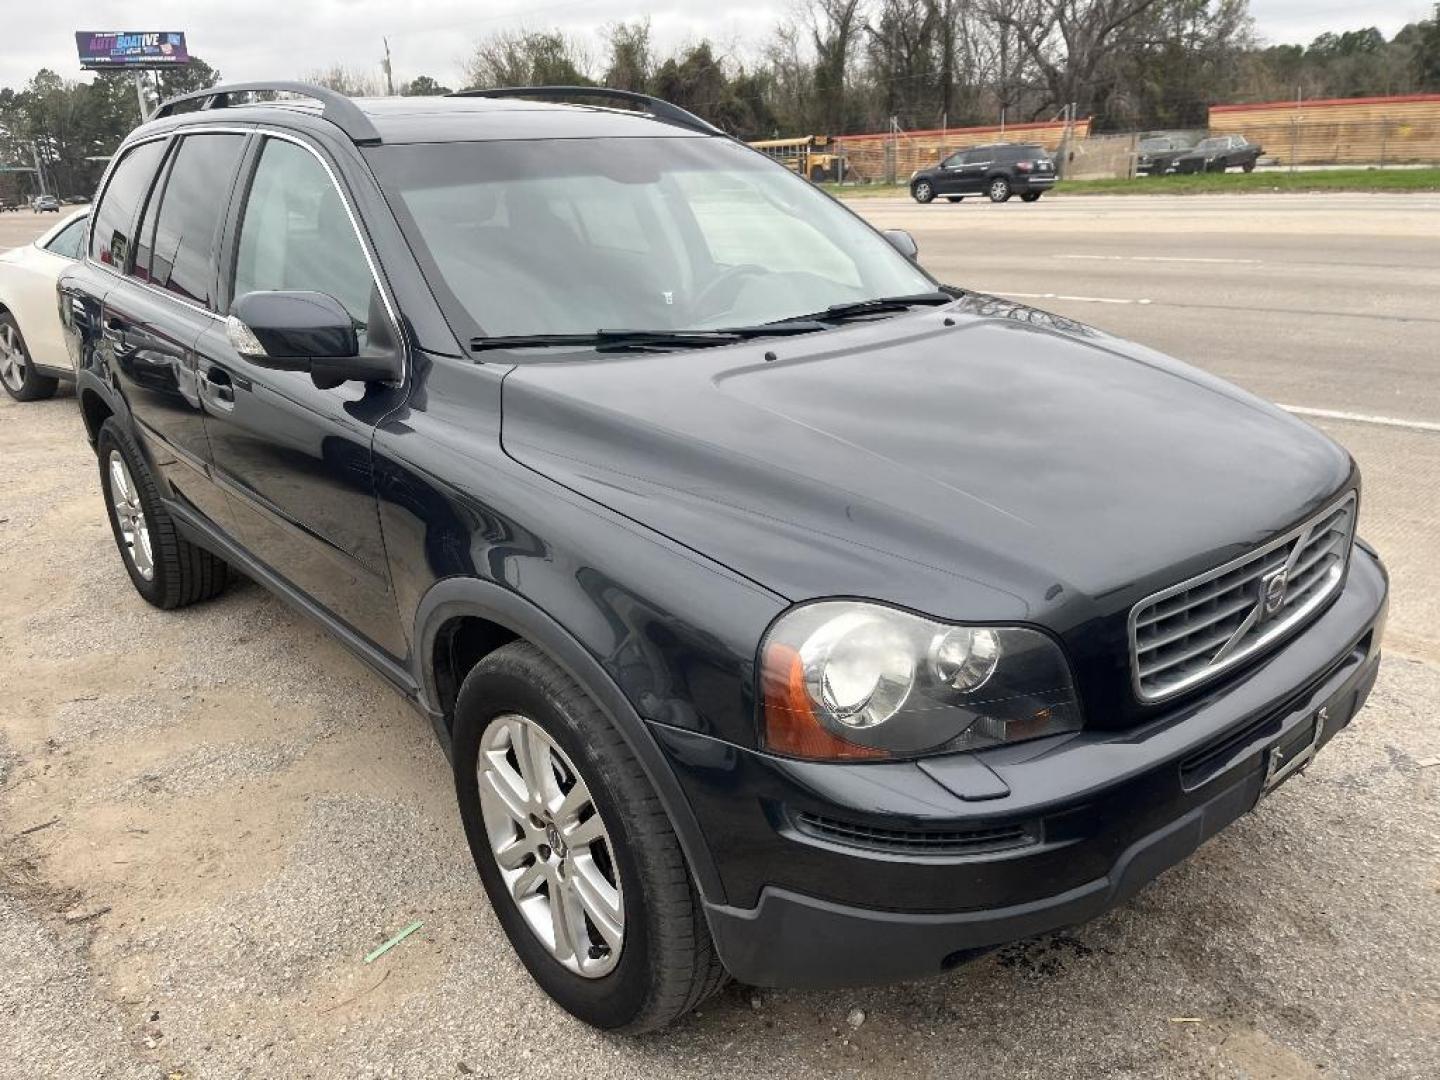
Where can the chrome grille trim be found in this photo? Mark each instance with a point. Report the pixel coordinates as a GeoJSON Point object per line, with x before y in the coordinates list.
{"type": "Point", "coordinates": [1190, 632]}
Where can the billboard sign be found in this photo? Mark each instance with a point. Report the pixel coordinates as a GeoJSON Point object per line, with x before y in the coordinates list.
{"type": "Point", "coordinates": [103, 49]}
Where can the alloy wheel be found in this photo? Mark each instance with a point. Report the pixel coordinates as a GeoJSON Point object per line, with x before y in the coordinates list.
{"type": "Point", "coordinates": [12, 358]}
{"type": "Point", "coordinates": [130, 518]}
{"type": "Point", "coordinates": [999, 189]}
{"type": "Point", "coordinates": [922, 192]}
{"type": "Point", "coordinates": [552, 849]}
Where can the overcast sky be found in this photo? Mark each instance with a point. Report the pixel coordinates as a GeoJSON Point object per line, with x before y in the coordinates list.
{"type": "Point", "coordinates": [285, 38]}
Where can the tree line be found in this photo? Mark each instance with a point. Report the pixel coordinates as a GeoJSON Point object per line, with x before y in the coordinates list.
{"type": "Point", "coordinates": [843, 66]}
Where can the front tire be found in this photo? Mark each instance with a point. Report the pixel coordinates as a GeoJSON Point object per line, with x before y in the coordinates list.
{"type": "Point", "coordinates": [1249, 166]}
{"type": "Point", "coordinates": [922, 191]}
{"type": "Point", "coordinates": [555, 805]}
{"type": "Point", "coordinates": [22, 382]}
{"type": "Point", "coordinates": [167, 570]}
{"type": "Point", "coordinates": [998, 189]}
{"type": "Point", "coordinates": [954, 198]}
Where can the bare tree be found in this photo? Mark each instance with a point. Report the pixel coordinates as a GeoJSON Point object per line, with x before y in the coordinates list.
{"type": "Point", "coordinates": [1067, 41]}
{"type": "Point", "coordinates": [353, 82]}
{"type": "Point", "coordinates": [528, 58]}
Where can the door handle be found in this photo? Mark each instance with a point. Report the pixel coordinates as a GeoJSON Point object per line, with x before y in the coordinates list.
{"type": "Point", "coordinates": [216, 388]}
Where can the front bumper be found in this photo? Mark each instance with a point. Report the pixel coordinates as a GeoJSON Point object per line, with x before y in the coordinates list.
{"type": "Point", "coordinates": [1090, 818]}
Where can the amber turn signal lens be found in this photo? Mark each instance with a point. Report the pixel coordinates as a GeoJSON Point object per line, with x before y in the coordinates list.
{"type": "Point", "coordinates": [791, 726]}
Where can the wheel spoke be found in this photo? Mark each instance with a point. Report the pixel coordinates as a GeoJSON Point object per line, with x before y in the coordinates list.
{"type": "Point", "coordinates": [575, 800]}
{"type": "Point", "coordinates": [585, 833]}
{"type": "Point", "coordinates": [599, 899]}
{"type": "Point", "coordinates": [512, 856]}
{"type": "Point", "coordinates": [495, 785]}
{"type": "Point", "coordinates": [524, 884]}
{"type": "Point", "coordinates": [567, 915]}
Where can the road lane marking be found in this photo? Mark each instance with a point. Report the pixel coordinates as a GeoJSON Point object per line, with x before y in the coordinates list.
{"type": "Point", "coordinates": [1362, 418]}
{"type": "Point", "coordinates": [1161, 258]}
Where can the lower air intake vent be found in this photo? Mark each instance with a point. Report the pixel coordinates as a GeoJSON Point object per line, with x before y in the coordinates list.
{"type": "Point", "coordinates": [915, 841]}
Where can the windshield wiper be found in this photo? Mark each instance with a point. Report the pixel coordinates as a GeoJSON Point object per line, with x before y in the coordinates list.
{"type": "Point", "coordinates": [880, 305]}
{"type": "Point", "coordinates": [643, 340]}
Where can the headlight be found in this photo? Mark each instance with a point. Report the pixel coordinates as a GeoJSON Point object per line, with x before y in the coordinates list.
{"type": "Point", "coordinates": [844, 679]}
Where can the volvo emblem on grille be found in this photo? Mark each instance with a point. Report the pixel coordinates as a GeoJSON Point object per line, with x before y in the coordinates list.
{"type": "Point", "coordinates": [1272, 591]}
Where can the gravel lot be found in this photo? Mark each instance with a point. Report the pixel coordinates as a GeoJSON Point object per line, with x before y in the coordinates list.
{"type": "Point", "coordinates": [208, 818]}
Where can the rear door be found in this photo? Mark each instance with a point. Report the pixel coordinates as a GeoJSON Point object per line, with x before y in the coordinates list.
{"type": "Point", "coordinates": [164, 299]}
{"type": "Point", "coordinates": [296, 458]}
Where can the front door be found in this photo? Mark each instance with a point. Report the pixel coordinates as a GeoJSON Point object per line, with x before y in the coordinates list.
{"type": "Point", "coordinates": [297, 458]}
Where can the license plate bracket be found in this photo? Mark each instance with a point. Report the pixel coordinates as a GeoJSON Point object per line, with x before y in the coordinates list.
{"type": "Point", "coordinates": [1292, 753]}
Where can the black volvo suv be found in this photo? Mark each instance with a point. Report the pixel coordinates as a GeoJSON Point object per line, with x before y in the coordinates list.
{"type": "Point", "coordinates": [783, 611]}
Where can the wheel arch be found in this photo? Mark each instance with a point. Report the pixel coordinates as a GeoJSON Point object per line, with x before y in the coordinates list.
{"type": "Point", "coordinates": [461, 620]}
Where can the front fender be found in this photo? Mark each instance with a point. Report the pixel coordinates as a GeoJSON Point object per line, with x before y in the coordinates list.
{"type": "Point", "coordinates": [453, 598]}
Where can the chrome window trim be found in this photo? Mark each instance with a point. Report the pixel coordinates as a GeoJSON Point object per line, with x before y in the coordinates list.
{"type": "Point", "coordinates": [268, 132]}
{"type": "Point", "coordinates": [1279, 628]}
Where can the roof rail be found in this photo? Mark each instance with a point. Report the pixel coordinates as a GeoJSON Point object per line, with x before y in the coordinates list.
{"type": "Point", "coordinates": [337, 108]}
{"type": "Point", "coordinates": [661, 110]}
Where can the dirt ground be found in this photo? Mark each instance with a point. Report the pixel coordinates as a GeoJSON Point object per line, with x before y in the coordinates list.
{"type": "Point", "coordinates": [208, 818]}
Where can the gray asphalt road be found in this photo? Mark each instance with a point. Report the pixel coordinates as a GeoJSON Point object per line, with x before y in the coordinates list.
{"type": "Point", "coordinates": [207, 818]}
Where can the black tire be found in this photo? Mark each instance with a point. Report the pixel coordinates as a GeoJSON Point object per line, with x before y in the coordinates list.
{"type": "Point", "coordinates": [1031, 196]}
{"type": "Point", "coordinates": [922, 191]}
{"type": "Point", "coordinates": [667, 963]}
{"type": "Point", "coordinates": [954, 198]}
{"type": "Point", "coordinates": [1249, 166]}
{"type": "Point", "coordinates": [998, 188]}
{"type": "Point", "coordinates": [23, 382]}
{"type": "Point", "coordinates": [182, 573]}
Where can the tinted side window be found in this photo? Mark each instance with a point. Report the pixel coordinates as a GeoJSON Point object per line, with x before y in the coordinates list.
{"type": "Point", "coordinates": [115, 216]}
{"type": "Point", "coordinates": [296, 234]}
{"type": "Point", "coordinates": [194, 197]}
{"type": "Point", "coordinates": [68, 240]}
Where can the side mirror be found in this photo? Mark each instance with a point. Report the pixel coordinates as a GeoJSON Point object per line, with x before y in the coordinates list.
{"type": "Point", "coordinates": [904, 243]}
{"type": "Point", "coordinates": [307, 331]}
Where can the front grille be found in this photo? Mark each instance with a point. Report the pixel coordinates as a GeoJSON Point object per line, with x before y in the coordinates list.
{"type": "Point", "coordinates": [1192, 631]}
{"type": "Point", "coordinates": [916, 841]}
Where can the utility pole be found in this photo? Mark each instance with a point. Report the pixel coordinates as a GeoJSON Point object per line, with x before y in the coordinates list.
{"type": "Point", "coordinates": [140, 95]}
{"type": "Point", "coordinates": [39, 172]}
{"type": "Point", "coordinates": [389, 79]}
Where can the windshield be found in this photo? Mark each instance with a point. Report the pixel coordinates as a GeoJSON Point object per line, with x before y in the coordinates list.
{"type": "Point", "coordinates": [1213, 144]}
{"type": "Point", "coordinates": [567, 236]}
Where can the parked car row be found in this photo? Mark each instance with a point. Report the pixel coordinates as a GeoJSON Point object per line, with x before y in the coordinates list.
{"type": "Point", "coordinates": [1164, 154]}
{"type": "Point", "coordinates": [825, 626]}
{"type": "Point", "coordinates": [1026, 169]}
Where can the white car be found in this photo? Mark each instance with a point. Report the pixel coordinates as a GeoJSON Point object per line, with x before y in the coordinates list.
{"type": "Point", "coordinates": [32, 351]}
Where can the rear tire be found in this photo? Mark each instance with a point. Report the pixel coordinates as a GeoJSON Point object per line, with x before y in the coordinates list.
{"type": "Point", "coordinates": [1249, 166]}
{"type": "Point", "coordinates": [22, 382]}
{"type": "Point", "coordinates": [922, 191]}
{"type": "Point", "coordinates": [998, 189]}
{"type": "Point", "coordinates": [954, 198]}
{"type": "Point", "coordinates": [167, 570]}
{"type": "Point", "coordinates": [666, 963]}
{"type": "Point", "coordinates": [1031, 196]}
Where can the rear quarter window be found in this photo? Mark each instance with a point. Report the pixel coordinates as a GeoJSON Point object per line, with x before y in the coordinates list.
{"type": "Point", "coordinates": [112, 240]}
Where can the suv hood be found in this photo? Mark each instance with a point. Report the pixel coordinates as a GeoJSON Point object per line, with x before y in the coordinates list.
{"type": "Point", "coordinates": [1009, 466]}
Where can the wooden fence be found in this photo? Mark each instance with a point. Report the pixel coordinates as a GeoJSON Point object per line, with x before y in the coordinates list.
{"type": "Point", "coordinates": [885, 156]}
{"type": "Point", "coordinates": [1354, 131]}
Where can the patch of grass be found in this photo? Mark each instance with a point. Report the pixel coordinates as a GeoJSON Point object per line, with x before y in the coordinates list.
{"type": "Point", "coordinates": [1427, 179]}
{"type": "Point", "coordinates": [1272, 180]}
